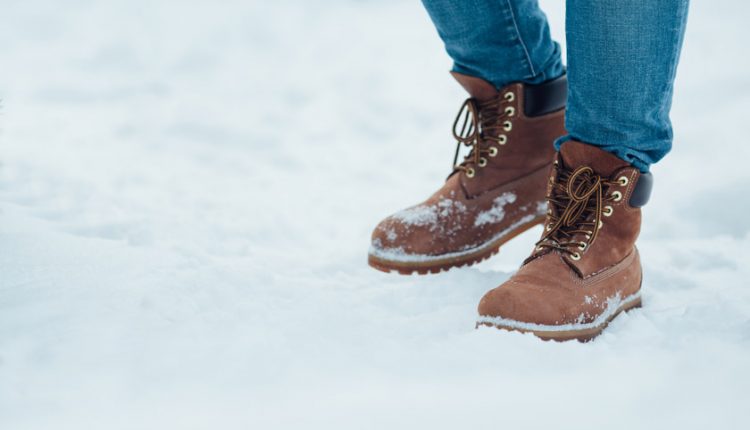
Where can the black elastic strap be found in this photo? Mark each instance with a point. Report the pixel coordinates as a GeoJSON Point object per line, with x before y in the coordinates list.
{"type": "Point", "coordinates": [546, 97]}
{"type": "Point", "coordinates": [642, 191]}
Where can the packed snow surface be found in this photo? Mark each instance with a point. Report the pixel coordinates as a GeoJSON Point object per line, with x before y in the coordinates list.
{"type": "Point", "coordinates": [187, 191]}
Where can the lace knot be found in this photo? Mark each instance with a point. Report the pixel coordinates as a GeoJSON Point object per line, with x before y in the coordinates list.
{"type": "Point", "coordinates": [576, 202]}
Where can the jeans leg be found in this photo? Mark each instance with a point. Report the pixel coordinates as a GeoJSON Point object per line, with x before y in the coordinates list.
{"type": "Point", "coordinates": [501, 41]}
{"type": "Point", "coordinates": [622, 58]}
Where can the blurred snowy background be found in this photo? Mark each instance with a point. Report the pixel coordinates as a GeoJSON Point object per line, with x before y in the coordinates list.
{"type": "Point", "coordinates": [187, 190]}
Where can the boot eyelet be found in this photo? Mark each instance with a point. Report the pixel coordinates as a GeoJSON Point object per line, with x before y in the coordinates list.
{"type": "Point", "coordinates": [509, 96]}
{"type": "Point", "coordinates": [608, 210]}
{"type": "Point", "coordinates": [502, 139]}
{"type": "Point", "coordinates": [576, 256]}
{"type": "Point", "coordinates": [623, 180]}
{"type": "Point", "coordinates": [507, 125]}
{"type": "Point", "coordinates": [601, 224]}
{"type": "Point", "coordinates": [482, 162]}
{"type": "Point", "coordinates": [510, 111]}
{"type": "Point", "coordinates": [470, 172]}
{"type": "Point", "coordinates": [493, 151]}
{"type": "Point", "coordinates": [582, 246]}
{"type": "Point", "coordinates": [617, 196]}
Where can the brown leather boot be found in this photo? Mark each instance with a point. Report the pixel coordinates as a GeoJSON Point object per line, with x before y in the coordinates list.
{"type": "Point", "coordinates": [585, 270]}
{"type": "Point", "coordinates": [496, 193]}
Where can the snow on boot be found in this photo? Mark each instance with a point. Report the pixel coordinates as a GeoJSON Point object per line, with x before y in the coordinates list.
{"type": "Point", "coordinates": [494, 194]}
{"type": "Point", "coordinates": [585, 270]}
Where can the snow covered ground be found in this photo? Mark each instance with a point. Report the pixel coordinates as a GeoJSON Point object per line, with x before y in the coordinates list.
{"type": "Point", "coordinates": [186, 195]}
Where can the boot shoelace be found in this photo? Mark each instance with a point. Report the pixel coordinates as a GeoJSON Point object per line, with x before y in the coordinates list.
{"type": "Point", "coordinates": [577, 203]}
{"type": "Point", "coordinates": [480, 124]}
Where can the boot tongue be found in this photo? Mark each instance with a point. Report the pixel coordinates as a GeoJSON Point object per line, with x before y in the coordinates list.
{"type": "Point", "coordinates": [476, 87]}
{"type": "Point", "coordinates": [576, 154]}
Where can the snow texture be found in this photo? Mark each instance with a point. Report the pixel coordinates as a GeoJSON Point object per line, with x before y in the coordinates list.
{"type": "Point", "coordinates": [497, 212]}
{"type": "Point", "coordinates": [430, 215]}
{"type": "Point", "coordinates": [187, 192]}
{"type": "Point", "coordinates": [400, 254]}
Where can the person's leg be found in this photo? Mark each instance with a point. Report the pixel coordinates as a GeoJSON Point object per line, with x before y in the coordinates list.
{"type": "Point", "coordinates": [622, 58]}
{"type": "Point", "coordinates": [512, 72]}
{"type": "Point", "coordinates": [500, 41]}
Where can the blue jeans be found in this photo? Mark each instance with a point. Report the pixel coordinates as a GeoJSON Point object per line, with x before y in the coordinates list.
{"type": "Point", "coordinates": [622, 58]}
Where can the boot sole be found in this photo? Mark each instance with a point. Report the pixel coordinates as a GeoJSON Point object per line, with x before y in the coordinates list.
{"type": "Point", "coordinates": [583, 335]}
{"type": "Point", "coordinates": [438, 264]}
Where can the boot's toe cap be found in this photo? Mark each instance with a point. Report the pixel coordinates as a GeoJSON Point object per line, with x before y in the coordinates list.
{"type": "Point", "coordinates": [502, 303]}
{"type": "Point", "coordinates": [520, 303]}
{"type": "Point", "coordinates": [389, 234]}
{"type": "Point", "coordinates": [394, 236]}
